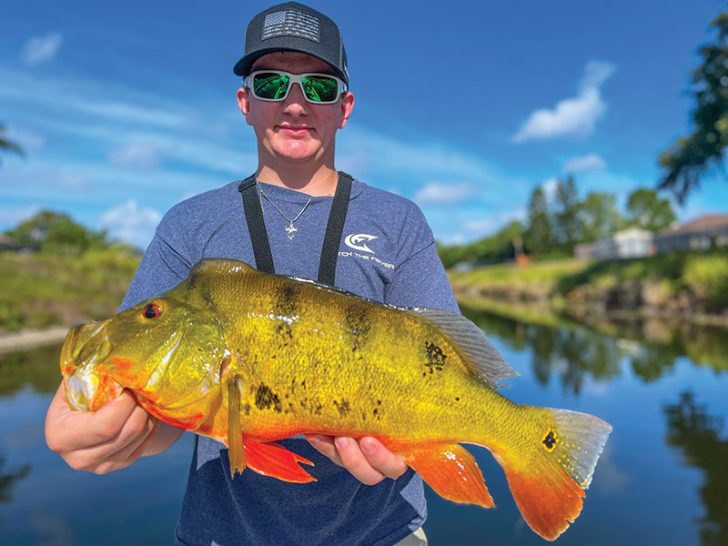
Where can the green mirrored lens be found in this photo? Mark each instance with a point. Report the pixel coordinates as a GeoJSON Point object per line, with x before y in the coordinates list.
{"type": "Point", "coordinates": [320, 88]}
{"type": "Point", "coordinates": [270, 85]}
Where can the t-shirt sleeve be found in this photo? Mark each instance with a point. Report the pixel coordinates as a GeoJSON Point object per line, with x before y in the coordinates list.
{"type": "Point", "coordinates": [419, 279]}
{"type": "Point", "coordinates": [164, 264]}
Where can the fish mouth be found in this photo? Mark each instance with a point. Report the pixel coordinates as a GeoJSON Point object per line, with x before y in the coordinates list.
{"type": "Point", "coordinates": [85, 347]}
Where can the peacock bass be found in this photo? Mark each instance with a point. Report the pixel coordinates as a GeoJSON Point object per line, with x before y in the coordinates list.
{"type": "Point", "coordinates": [248, 358]}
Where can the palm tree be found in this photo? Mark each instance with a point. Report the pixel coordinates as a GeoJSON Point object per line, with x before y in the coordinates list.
{"type": "Point", "coordinates": [8, 145]}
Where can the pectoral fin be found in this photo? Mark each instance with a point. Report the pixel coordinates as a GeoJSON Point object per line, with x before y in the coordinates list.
{"type": "Point", "coordinates": [451, 471]}
{"type": "Point", "coordinates": [271, 459]}
{"type": "Point", "coordinates": [236, 448]}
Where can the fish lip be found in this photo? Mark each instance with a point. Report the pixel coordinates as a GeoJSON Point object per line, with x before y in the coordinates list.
{"type": "Point", "coordinates": [78, 370]}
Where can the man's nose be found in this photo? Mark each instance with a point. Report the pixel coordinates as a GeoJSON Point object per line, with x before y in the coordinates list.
{"type": "Point", "coordinates": [295, 99]}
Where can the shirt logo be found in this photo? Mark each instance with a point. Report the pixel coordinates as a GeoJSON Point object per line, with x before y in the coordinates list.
{"type": "Point", "coordinates": [358, 241]}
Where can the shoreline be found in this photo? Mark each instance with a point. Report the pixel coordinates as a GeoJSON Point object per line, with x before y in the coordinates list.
{"type": "Point", "coordinates": [30, 339]}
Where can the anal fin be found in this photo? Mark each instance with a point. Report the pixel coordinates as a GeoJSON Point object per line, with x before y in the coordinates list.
{"type": "Point", "coordinates": [451, 471]}
{"type": "Point", "coordinates": [271, 459]}
{"type": "Point", "coordinates": [236, 449]}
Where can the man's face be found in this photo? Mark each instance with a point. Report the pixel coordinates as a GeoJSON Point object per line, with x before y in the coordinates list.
{"type": "Point", "coordinates": [294, 129]}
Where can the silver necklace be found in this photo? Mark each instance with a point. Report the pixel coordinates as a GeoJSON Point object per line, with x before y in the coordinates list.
{"type": "Point", "coordinates": [290, 228]}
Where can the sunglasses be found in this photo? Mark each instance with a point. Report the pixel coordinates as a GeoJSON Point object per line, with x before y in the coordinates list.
{"type": "Point", "coordinates": [274, 85]}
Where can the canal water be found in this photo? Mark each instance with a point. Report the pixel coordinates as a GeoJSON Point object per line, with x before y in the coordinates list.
{"type": "Point", "coordinates": [662, 479]}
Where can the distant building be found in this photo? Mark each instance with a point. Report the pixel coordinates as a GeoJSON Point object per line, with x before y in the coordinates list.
{"type": "Point", "coordinates": [627, 243]}
{"type": "Point", "coordinates": [700, 234]}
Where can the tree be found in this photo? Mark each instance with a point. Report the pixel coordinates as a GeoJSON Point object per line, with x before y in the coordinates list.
{"type": "Point", "coordinates": [57, 233]}
{"type": "Point", "coordinates": [566, 215]}
{"type": "Point", "coordinates": [649, 211]}
{"type": "Point", "coordinates": [539, 235]}
{"type": "Point", "coordinates": [688, 159]}
{"type": "Point", "coordinates": [598, 216]}
{"type": "Point", "coordinates": [8, 145]}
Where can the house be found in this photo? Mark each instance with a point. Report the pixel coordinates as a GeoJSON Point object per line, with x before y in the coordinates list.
{"type": "Point", "coordinates": [703, 233]}
{"type": "Point", "coordinates": [627, 243]}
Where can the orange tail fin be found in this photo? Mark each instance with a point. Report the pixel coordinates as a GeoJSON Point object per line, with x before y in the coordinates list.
{"type": "Point", "coordinates": [451, 471]}
{"type": "Point", "coordinates": [548, 479]}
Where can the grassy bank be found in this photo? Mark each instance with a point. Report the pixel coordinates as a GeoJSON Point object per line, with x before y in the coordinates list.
{"type": "Point", "coordinates": [38, 290]}
{"type": "Point", "coordinates": [686, 285]}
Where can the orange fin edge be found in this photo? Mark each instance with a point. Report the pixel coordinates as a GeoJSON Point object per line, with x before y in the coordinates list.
{"type": "Point", "coordinates": [451, 471]}
{"type": "Point", "coordinates": [274, 460]}
{"type": "Point", "coordinates": [549, 502]}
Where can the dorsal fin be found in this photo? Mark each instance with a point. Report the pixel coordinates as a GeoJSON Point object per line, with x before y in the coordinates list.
{"type": "Point", "coordinates": [474, 347]}
{"type": "Point", "coordinates": [220, 266]}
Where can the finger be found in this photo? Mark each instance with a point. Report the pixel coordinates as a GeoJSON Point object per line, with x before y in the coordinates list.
{"type": "Point", "coordinates": [131, 452]}
{"type": "Point", "coordinates": [138, 425]}
{"type": "Point", "coordinates": [68, 430]}
{"type": "Point", "coordinates": [325, 446]}
{"type": "Point", "coordinates": [356, 462]}
{"type": "Point", "coordinates": [381, 459]}
{"type": "Point", "coordinates": [163, 436]}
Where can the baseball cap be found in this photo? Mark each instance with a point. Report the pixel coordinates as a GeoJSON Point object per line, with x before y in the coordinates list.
{"type": "Point", "coordinates": [294, 27]}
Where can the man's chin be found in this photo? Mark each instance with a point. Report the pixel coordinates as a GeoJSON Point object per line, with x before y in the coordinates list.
{"type": "Point", "coordinates": [298, 157]}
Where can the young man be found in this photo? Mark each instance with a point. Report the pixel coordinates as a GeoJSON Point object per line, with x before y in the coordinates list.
{"type": "Point", "coordinates": [295, 97]}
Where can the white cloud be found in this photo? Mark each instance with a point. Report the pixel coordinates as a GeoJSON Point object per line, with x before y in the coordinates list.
{"type": "Point", "coordinates": [438, 193]}
{"type": "Point", "coordinates": [384, 159]}
{"type": "Point", "coordinates": [131, 223]}
{"type": "Point", "coordinates": [137, 155]}
{"type": "Point", "coordinates": [590, 162]}
{"type": "Point", "coordinates": [575, 116]}
{"type": "Point", "coordinates": [41, 49]}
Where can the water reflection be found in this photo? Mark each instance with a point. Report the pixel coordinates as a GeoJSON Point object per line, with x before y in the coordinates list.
{"type": "Point", "coordinates": [572, 352]}
{"type": "Point", "coordinates": [697, 435]}
{"type": "Point", "coordinates": [9, 477]}
{"type": "Point", "coordinates": [37, 368]}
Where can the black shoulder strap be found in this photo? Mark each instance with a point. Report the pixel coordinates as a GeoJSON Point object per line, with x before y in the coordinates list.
{"type": "Point", "coordinates": [256, 225]}
{"type": "Point", "coordinates": [334, 229]}
{"type": "Point", "coordinates": [332, 238]}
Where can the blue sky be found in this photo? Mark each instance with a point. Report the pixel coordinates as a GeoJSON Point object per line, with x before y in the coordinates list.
{"type": "Point", "coordinates": [126, 108]}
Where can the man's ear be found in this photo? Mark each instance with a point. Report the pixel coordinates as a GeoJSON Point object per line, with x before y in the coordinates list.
{"type": "Point", "coordinates": [243, 96]}
{"type": "Point", "coordinates": [346, 106]}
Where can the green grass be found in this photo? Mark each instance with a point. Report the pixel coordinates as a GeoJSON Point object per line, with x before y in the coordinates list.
{"type": "Point", "coordinates": [39, 289]}
{"type": "Point", "coordinates": [700, 278]}
{"type": "Point", "coordinates": [545, 273]}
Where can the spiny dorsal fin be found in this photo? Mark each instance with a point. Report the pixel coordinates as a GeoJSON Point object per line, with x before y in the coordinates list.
{"type": "Point", "coordinates": [476, 349]}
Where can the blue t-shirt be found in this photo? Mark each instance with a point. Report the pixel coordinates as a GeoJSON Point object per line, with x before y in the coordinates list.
{"type": "Point", "coordinates": [387, 254]}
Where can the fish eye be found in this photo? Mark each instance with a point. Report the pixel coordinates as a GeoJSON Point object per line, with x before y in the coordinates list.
{"type": "Point", "coordinates": [152, 310]}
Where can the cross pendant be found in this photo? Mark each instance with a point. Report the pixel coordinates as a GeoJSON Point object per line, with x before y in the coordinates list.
{"type": "Point", "coordinates": [291, 230]}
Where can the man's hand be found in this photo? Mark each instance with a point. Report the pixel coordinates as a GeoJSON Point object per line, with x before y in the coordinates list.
{"type": "Point", "coordinates": [367, 460]}
{"type": "Point", "coordinates": [109, 439]}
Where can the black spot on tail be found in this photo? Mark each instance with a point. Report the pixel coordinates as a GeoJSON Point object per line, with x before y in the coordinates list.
{"type": "Point", "coordinates": [265, 398]}
{"type": "Point", "coordinates": [550, 440]}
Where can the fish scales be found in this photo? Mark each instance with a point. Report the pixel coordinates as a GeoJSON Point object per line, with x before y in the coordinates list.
{"type": "Point", "coordinates": [248, 358]}
{"type": "Point", "coordinates": [341, 394]}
